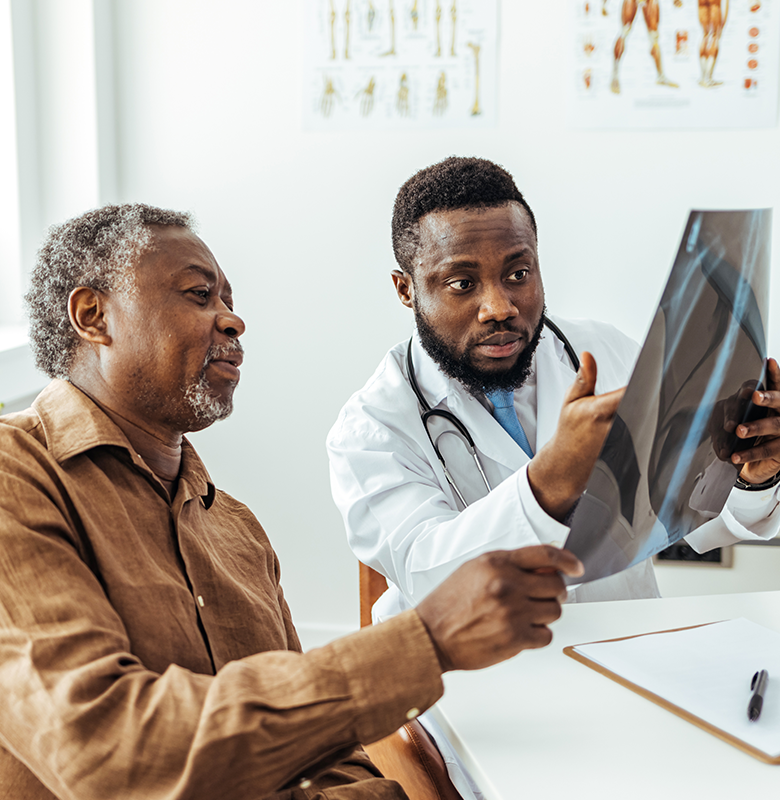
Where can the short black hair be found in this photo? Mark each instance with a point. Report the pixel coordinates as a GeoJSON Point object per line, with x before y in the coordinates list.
{"type": "Point", "coordinates": [100, 250]}
{"type": "Point", "coordinates": [450, 184]}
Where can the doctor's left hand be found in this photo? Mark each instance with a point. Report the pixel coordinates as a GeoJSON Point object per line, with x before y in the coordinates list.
{"type": "Point", "coordinates": [762, 461]}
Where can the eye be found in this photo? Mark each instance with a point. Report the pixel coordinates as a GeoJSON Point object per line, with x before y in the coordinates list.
{"type": "Point", "coordinates": [461, 284]}
{"type": "Point", "coordinates": [203, 294]}
{"type": "Point", "coordinates": [518, 275]}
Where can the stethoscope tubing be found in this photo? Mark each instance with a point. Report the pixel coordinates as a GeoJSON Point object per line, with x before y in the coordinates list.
{"type": "Point", "coordinates": [428, 412]}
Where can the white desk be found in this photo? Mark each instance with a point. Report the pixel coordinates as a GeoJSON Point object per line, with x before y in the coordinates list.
{"type": "Point", "coordinates": [543, 726]}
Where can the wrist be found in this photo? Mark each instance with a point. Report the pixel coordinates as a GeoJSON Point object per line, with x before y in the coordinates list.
{"type": "Point", "coordinates": [445, 664]}
{"type": "Point", "coordinates": [555, 495]}
{"type": "Point", "coordinates": [741, 483]}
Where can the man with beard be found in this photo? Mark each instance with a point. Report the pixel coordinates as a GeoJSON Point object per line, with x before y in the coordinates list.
{"type": "Point", "coordinates": [146, 650]}
{"type": "Point", "coordinates": [481, 431]}
{"type": "Point", "coordinates": [491, 368]}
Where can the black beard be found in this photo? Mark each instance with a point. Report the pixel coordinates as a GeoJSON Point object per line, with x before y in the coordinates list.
{"type": "Point", "coordinates": [460, 368]}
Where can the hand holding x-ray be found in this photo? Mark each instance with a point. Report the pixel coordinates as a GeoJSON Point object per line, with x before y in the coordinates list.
{"type": "Point", "coordinates": [559, 472]}
{"type": "Point", "coordinates": [702, 407]}
{"type": "Point", "coordinates": [727, 414]}
{"type": "Point", "coordinates": [762, 460]}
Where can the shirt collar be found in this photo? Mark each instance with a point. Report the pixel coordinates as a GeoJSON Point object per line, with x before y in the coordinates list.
{"type": "Point", "coordinates": [195, 477]}
{"type": "Point", "coordinates": [73, 424]}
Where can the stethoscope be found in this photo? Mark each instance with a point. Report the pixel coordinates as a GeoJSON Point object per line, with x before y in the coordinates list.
{"type": "Point", "coordinates": [428, 412]}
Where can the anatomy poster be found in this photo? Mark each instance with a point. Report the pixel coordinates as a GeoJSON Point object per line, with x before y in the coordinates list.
{"type": "Point", "coordinates": [674, 63]}
{"type": "Point", "coordinates": [399, 64]}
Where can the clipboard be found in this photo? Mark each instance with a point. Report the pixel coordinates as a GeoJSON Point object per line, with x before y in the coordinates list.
{"type": "Point", "coordinates": [677, 710]}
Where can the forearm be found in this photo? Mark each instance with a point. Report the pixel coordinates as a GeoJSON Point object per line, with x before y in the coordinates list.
{"type": "Point", "coordinates": [414, 538]}
{"type": "Point", "coordinates": [747, 516]}
{"type": "Point", "coordinates": [112, 728]}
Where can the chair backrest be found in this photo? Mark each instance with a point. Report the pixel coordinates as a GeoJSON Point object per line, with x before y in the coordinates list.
{"type": "Point", "coordinates": [408, 756]}
{"type": "Point", "coordinates": [372, 586]}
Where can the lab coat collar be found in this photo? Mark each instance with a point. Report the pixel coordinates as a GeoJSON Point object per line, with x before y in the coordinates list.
{"type": "Point", "coordinates": [435, 385]}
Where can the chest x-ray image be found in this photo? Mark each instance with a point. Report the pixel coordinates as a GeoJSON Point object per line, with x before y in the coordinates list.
{"type": "Point", "coordinates": [664, 469]}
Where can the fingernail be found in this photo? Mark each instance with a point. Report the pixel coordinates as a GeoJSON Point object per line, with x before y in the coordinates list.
{"type": "Point", "coordinates": [742, 431]}
{"type": "Point", "coordinates": [735, 459]}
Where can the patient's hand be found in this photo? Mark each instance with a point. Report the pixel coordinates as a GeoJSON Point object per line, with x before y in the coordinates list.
{"type": "Point", "coordinates": [497, 605]}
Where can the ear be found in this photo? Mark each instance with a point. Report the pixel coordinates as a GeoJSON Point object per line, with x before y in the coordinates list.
{"type": "Point", "coordinates": [404, 286]}
{"type": "Point", "coordinates": [86, 309]}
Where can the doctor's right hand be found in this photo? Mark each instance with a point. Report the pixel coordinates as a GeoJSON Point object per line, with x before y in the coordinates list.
{"type": "Point", "coordinates": [497, 605]}
{"type": "Point", "coordinates": [559, 472]}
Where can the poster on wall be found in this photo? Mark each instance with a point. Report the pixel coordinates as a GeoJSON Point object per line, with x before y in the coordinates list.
{"type": "Point", "coordinates": [674, 63]}
{"type": "Point", "coordinates": [379, 64]}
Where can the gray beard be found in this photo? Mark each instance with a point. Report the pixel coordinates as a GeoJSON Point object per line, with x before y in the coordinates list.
{"type": "Point", "coordinates": [207, 407]}
{"type": "Point", "coordinates": [204, 405]}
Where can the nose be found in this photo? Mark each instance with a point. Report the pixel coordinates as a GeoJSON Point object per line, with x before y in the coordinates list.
{"type": "Point", "coordinates": [229, 323]}
{"type": "Point", "coordinates": [496, 304]}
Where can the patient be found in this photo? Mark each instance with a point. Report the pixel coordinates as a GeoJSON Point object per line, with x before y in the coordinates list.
{"type": "Point", "coordinates": [146, 649]}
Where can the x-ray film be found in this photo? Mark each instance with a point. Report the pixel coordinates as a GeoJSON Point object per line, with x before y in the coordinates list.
{"type": "Point", "coordinates": [665, 466]}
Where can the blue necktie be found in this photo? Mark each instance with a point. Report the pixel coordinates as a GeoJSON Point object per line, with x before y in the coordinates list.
{"type": "Point", "coordinates": [504, 411]}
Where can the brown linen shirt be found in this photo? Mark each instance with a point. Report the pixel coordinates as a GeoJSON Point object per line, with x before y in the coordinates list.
{"type": "Point", "coordinates": [146, 649]}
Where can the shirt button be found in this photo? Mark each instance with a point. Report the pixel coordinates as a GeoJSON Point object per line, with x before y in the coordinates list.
{"type": "Point", "coordinates": [200, 601]}
{"type": "Point", "coordinates": [413, 713]}
{"type": "Point", "coordinates": [305, 784]}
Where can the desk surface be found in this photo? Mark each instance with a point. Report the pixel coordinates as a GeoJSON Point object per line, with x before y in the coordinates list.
{"type": "Point", "coordinates": [543, 726]}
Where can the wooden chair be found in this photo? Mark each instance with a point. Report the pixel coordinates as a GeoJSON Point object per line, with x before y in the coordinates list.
{"type": "Point", "coordinates": [409, 755]}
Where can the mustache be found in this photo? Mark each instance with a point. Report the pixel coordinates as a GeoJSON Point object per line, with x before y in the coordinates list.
{"type": "Point", "coordinates": [218, 352]}
{"type": "Point", "coordinates": [492, 330]}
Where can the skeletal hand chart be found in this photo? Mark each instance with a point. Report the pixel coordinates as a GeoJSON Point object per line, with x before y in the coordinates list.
{"type": "Point", "coordinates": [400, 63]}
{"type": "Point", "coordinates": [674, 63]}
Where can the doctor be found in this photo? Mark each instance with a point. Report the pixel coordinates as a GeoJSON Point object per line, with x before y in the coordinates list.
{"type": "Point", "coordinates": [466, 245]}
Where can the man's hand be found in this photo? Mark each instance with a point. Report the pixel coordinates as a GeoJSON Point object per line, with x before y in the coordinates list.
{"type": "Point", "coordinates": [762, 461]}
{"type": "Point", "coordinates": [726, 413]}
{"type": "Point", "coordinates": [559, 472]}
{"type": "Point", "coordinates": [497, 605]}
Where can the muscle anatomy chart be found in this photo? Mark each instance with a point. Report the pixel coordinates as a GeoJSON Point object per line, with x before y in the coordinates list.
{"type": "Point", "coordinates": [674, 63]}
{"type": "Point", "coordinates": [400, 63]}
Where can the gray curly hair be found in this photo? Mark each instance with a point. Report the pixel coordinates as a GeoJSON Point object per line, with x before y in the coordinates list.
{"type": "Point", "coordinates": [98, 249]}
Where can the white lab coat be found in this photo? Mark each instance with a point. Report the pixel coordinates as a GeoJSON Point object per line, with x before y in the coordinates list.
{"type": "Point", "coordinates": [403, 518]}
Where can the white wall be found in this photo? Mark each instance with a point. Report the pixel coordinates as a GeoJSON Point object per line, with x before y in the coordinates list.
{"type": "Point", "coordinates": [208, 119]}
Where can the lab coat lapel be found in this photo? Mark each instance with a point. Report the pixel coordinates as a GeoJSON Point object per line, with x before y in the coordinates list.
{"type": "Point", "coordinates": [554, 375]}
{"type": "Point", "coordinates": [491, 439]}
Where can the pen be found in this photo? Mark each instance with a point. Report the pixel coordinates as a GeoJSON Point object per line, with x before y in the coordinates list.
{"type": "Point", "coordinates": [758, 685]}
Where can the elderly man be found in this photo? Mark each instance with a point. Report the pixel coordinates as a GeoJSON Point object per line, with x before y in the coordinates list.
{"type": "Point", "coordinates": [146, 650]}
